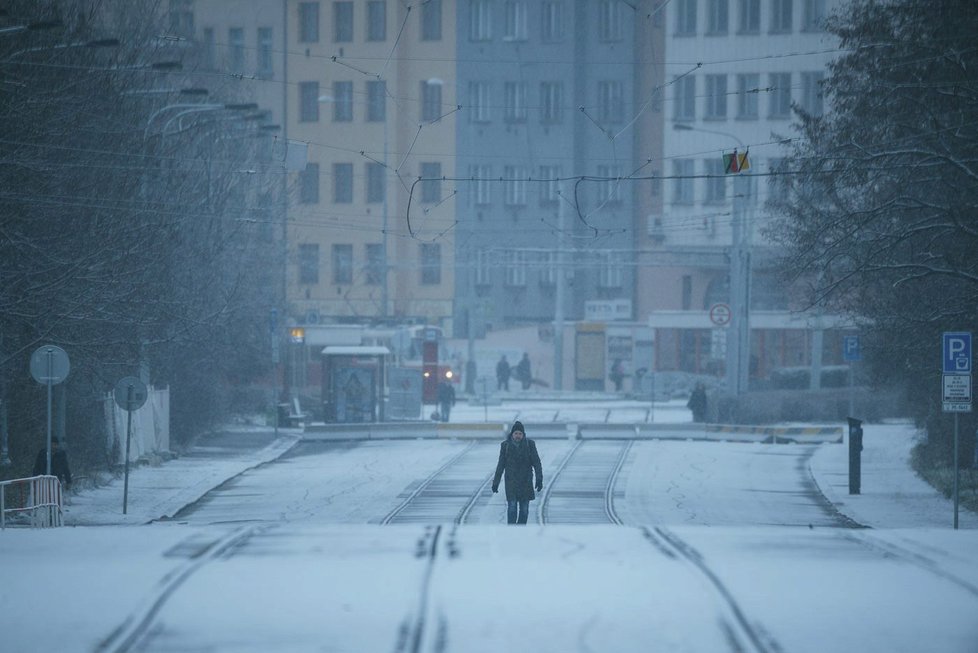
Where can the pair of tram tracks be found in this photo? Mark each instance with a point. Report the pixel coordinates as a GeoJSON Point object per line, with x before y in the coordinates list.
{"type": "Point", "coordinates": [134, 632]}
{"type": "Point", "coordinates": [596, 501]}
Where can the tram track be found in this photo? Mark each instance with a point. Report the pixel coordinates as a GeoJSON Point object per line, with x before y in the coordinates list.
{"type": "Point", "coordinates": [582, 488]}
{"type": "Point", "coordinates": [743, 635]}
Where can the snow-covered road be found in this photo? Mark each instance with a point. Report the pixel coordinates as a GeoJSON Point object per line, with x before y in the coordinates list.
{"type": "Point", "coordinates": [725, 547]}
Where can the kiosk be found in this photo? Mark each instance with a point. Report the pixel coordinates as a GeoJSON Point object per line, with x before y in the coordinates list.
{"type": "Point", "coordinates": [354, 380]}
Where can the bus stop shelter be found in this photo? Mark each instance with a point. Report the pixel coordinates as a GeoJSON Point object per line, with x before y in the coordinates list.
{"type": "Point", "coordinates": [354, 381]}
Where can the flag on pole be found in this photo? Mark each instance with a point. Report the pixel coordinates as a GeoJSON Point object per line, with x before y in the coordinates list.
{"type": "Point", "coordinates": [735, 162]}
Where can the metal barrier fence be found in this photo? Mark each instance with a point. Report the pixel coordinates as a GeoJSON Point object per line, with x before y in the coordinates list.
{"type": "Point", "coordinates": [39, 497]}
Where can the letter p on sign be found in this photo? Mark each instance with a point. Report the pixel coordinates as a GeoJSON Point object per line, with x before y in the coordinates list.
{"type": "Point", "coordinates": [957, 352]}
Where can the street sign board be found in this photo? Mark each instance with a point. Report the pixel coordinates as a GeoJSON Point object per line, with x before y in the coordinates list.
{"type": "Point", "coordinates": [957, 393]}
{"type": "Point", "coordinates": [850, 348]}
{"type": "Point", "coordinates": [720, 314]}
{"type": "Point", "coordinates": [49, 364]}
{"type": "Point", "coordinates": [124, 399]}
{"type": "Point", "coordinates": [956, 352]}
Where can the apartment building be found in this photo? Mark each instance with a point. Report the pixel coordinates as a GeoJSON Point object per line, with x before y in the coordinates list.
{"type": "Point", "coordinates": [371, 91]}
{"type": "Point", "coordinates": [734, 71]}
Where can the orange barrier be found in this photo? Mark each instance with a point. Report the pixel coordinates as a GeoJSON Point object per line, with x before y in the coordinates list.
{"type": "Point", "coordinates": [38, 496]}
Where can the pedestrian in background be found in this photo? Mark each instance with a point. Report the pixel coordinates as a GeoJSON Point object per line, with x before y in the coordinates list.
{"type": "Point", "coordinates": [446, 398]}
{"type": "Point", "coordinates": [502, 374]}
{"type": "Point", "coordinates": [518, 460]}
{"type": "Point", "coordinates": [59, 463]}
{"type": "Point", "coordinates": [523, 374]}
{"type": "Point", "coordinates": [697, 403]}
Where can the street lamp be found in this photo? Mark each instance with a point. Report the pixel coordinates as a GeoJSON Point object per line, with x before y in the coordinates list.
{"type": "Point", "coordinates": [738, 348]}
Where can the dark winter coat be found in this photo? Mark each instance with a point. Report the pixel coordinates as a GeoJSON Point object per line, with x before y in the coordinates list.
{"type": "Point", "coordinates": [519, 460]}
{"type": "Point", "coordinates": [59, 465]}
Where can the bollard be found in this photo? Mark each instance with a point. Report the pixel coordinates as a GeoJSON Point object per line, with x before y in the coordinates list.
{"type": "Point", "coordinates": [855, 454]}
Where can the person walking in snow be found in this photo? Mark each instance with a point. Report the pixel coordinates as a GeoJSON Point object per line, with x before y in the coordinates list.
{"type": "Point", "coordinates": [519, 461]}
{"type": "Point", "coordinates": [502, 374]}
{"type": "Point", "coordinates": [523, 373]}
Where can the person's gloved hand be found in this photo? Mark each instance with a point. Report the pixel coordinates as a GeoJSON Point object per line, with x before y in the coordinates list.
{"type": "Point", "coordinates": [539, 487]}
{"type": "Point", "coordinates": [495, 489]}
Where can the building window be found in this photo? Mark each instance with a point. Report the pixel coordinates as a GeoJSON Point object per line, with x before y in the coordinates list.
{"type": "Point", "coordinates": [811, 92]}
{"type": "Point", "coordinates": [342, 183]}
{"type": "Point", "coordinates": [480, 20]}
{"type": "Point", "coordinates": [748, 88]}
{"type": "Point", "coordinates": [549, 185]}
{"type": "Point", "coordinates": [610, 270]}
{"type": "Point", "coordinates": [609, 20]}
{"type": "Point", "coordinates": [514, 99]}
{"type": "Point", "coordinates": [551, 102]}
{"type": "Point", "coordinates": [781, 15]}
{"type": "Point", "coordinates": [342, 101]}
{"type": "Point", "coordinates": [308, 101]}
{"type": "Point", "coordinates": [265, 52]}
{"type": "Point", "coordinates": [610, 102]}
{"type": "Point", "coordinates": [484, 263]}
{"type": "Point", "coordinates": [308, 22]}
{"type": "Point", "coordinates": [181, 14]}
{"type": "Point", "coordinates": [716, 97]}
{"type": "Point", "coordinates": [431, 100]}
{"type": "Point", "coordinates": [655, 186]}
{"type": "Point", "coordinates": [342, 264]}
{"type": "Point", "coordinates": [780, 95]}
{"type": "Point", "coordinates": [514, 25]}
{"type": "Point", "coordinates": [750, 17]}
{"type": "Point", "coordinates": [778, 184]}
{"type": "Point", "coordinates": [609, 191]}
{"type": "Point", "coordinates": [547, 263]}
{"type": "Point", "coordinates": [686, 17]}
{"type": "Point", "coordinates": [377, 20]}
{"type": "Point", "coordinates": [514, 185]}
{"type": "Point", "coordinates": [479, 102]}
{"type": "Point", "coordinates": [813, 18]}
{"type": "Point", "coordinates": [376, 101]}
{"type": "Point", "coordinates": [236, 50]}
{"type": "Point", "coordinates": [718, 18]}
{"type": "Point", "coordinates": [552, 29]}
{"type": "Point", "coordinates": [682, 186]}
{"type": "Point", "coordinates": [430, 254]}
{"type": "Point", "coordinates": [431, 182]}
{"type": "Point", "coordinates": [308, 263]}
{"type": "Point", "coordinates": [431, 20]}
{"type": "Point", "coordinates": [342, 22]}
{"type": "Point", "coordinates": [376, 183]}
{"type": "Point", "coordinates": [685, 98]}
{"type": "Point", "coordinates": [207, 56]}
{"type": "Point", "coordinates": [309, 184]}
{"type": "Point", "coordinates": [515, 268]}
{"type": "Point", "coordinates": [481, 192]}
{"type": "Point", "coordinates": [716, 183]}
{"type": "Point", "coordinates": [687, 292]}
{"type": "Point", "coordinates": [374, 270]}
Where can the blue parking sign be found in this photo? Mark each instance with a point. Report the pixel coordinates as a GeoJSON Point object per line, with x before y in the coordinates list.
{"type": "Point", "coordinates": [850, 348]}
{"type": "Point", "coordinates": [956, 352]}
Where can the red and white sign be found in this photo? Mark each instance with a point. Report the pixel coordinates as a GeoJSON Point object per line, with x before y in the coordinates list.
{"type": "Point", "coordinates": [720, 314]}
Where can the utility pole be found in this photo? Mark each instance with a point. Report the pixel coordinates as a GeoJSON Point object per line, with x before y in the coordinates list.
{"type": "Point", "coordinates": [559, 300]}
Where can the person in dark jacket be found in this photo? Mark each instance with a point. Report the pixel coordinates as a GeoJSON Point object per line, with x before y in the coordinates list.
{"type": "Point", "coordinates": [523, 374]}
{"type": "Point", "coordinates": [519, 460]}
{"type": "Point", "coordinates": [446, 398]}
{"type": "Point", "coordinates": [697, 403]}
{"type": "Point", "coordinates": [502, 374]}
{"type": "Point", "coordinates": [59, 463]}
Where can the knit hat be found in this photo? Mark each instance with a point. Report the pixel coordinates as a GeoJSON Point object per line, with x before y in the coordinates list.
{"type": "Point", "coordinates": [517, 426]}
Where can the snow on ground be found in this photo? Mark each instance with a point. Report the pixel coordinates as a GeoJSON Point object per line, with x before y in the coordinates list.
{"type": "Point", "coordinates": [910, 584]}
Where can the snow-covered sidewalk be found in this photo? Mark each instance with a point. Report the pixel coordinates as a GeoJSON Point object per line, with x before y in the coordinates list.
{"type": "Point", "coordinates": [891, 493]}
{"type": "Point", "coordinates": [162, 491]}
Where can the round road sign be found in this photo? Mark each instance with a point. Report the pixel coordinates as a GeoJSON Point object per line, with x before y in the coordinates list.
{"type": "Point", "coordinates": [720, 314]}
{"type": "Point", "coordinates": [49, 364]}
{"type": "Point", "coordinates": [127, 401]}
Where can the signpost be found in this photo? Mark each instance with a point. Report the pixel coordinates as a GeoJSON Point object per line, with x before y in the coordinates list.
{"type": "Point", "coordinates": [50, 366]}
{"type": "Point", "coordinates": [956, 385]}
{"type": "Point", "coordinates": [130, 394]}
{"type": "Point", "coordinates": [851, 353]}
